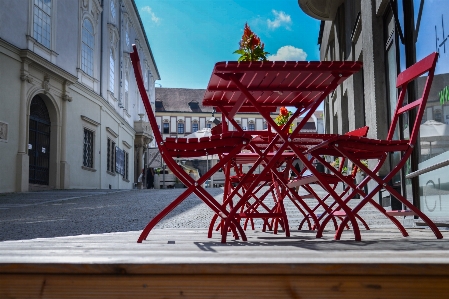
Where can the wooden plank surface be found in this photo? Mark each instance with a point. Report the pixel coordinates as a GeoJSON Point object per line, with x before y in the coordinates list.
{"type": "Point", "coordinates": [183, 263]}
{"type": "Point", "coordinates": [222, 286]}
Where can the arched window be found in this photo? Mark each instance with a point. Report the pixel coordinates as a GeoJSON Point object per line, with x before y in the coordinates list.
{"type": "Point", "coordinates": [42, 22]}
{"type": "Point", "coordinates": [87, 53]}
{"type": "Point", "coordinates": [111, 71]}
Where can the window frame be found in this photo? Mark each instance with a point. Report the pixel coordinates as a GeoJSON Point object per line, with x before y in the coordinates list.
{"type": "Point", "coordinates": [126, 176]}
{"type": "Point", "coordinates": [180, 128]}
{"type": "Point", "coordinates": [111, 70]}
{"type": "Point", "coordinates": [126, 90]}
{"type": "Point", "coordinates": [195, 127]}
{"type": "Point", "coordinates": [165, 128]}
{"type": "Point", "coordinates": [35, 5]}
{"type": "Point", "coordinates": [110, 156]}
{"type": "Point", "coordinates": [88, 153]}
{"type": "Point", "coordinates": [85, 45]}
{"type": "Point", "coordinates": [113, 10]}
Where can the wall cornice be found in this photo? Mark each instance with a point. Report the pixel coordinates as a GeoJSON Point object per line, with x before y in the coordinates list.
{"type": "Point", "coordinates": [44, 65]}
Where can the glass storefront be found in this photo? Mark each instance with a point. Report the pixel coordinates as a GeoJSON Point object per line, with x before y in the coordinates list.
{"type": "Point", "coordinates": [431, 34]}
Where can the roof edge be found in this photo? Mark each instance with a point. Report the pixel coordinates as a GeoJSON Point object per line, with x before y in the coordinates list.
{"type": "Point", "coordinates": [145, 36]}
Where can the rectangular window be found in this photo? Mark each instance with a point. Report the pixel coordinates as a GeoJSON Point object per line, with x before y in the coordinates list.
{"type": "Point", "coordinates": [42, 22]}
{"type": "Point", "coordinates": [111, 71]}
{"type": "Point", "coordinates": [87, 49]}
{"type": "Point", "coordinates": [126, 176]}
{"type": "Point", "coordinates": [88, 148]}
{"type": "Point", "coordinates": [251, 127]}
{"type": "Point", "coordinates": [194, 127]}
{"type": "Point", "coordinates": [126, 91]}
{"type": "Point", "coordinates": [166, 128]}
{"type": "Point", "coordinates": [180, 128]}
{"type": "Point", "coordinates": [120, 161]}
{"type": "Point", "coordinates": [110, 156]}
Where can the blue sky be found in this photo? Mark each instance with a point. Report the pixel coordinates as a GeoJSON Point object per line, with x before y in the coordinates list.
{"type": "Point", "coordinates": [188, 37]}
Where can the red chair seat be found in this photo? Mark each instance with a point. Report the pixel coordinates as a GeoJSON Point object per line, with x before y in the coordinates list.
{"type": "Point", "coordinates": [216, 144]}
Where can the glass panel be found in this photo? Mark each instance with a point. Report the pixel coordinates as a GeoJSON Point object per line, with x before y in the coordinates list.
{"type": "Point", "coordinates": [433, 25]}
{"type": "Point", "coordinates": [88, 148]}
{"type": "Point", "coordinates": [111, 71]}
{"type": "Point", "coordinates": [87, 48]}
{"type": "Point", "coordinates": [180, 128]}
{"type": "Point", "coordinates": [42, 22]}
{"type": "Point", "coordinates": [113, 10]}
{"type": "Point", "coordinates": [166, 128]}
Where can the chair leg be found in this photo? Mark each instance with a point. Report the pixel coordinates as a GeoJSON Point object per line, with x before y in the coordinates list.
{"type": "Point", "coordinates": [211, 225]}
{"type": "Point", "coordinates": [420, 214]}
{"type": "Point", "coordinates": [161, 215]}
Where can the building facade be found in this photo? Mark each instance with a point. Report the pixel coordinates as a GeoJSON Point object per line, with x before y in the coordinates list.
{"type": "Point", "coordinates": [179, 113]}
{"type": "Point", "coordinates": [388, 36]}
{"type": "Point", "coordinates": [70, 112]}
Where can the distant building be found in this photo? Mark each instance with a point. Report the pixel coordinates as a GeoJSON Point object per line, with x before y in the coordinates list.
{"type": "Point", "coordinates": [179, 112]}
{"type": "Point", "coordinates": [70, 112]}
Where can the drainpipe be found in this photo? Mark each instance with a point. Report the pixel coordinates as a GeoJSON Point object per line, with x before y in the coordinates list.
{"type": "Point", "coordinates": [120, 56]}
{"type": "Point", "coordinates": [101, 50]}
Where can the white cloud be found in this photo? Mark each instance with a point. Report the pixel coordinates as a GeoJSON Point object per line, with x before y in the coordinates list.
{"type": "Point", "coordinates": [280, 19]}
{"type": "Point", "coordinates": [148, 10]}
{"type": "Point", "coordinates": [288, 53]}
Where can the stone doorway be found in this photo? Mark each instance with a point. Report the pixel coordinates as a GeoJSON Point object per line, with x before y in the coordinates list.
{"type": "Point", "coordinates": [39, 142]}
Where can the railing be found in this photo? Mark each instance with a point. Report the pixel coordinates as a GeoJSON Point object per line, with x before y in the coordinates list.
{"type": "Point", "coordinates": [427, 169]}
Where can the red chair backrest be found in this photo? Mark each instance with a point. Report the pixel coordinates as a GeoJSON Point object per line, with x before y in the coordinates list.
{"type": "Point", "coordinates": [360, 132]}
{"type": "Point", "coordinates": [425, 65]}
{"type": "Point", "coordinates": [143, 93]}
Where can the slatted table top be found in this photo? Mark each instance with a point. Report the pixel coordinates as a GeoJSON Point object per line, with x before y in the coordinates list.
{"type": "Point", "coordinates": [275, 83]}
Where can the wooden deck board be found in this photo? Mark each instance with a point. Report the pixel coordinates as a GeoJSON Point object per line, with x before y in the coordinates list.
{"type": "Point", "coordinates": [113, 265]}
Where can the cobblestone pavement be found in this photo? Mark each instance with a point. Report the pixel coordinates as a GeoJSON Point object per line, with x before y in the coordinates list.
{"type": "Point", "coordinates": [77, 212]}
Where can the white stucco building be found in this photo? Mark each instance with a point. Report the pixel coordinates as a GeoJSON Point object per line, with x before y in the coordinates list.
{"type": "Point", "coordinates": [69, 105]}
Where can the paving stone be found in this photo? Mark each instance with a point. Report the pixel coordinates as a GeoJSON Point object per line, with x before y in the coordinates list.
{"type": "Point", "coordinates": [78, 212]}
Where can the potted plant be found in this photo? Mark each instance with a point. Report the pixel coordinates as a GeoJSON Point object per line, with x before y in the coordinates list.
{"type": "Point", "coordinates": [282, 119]}
{"type": "Point", "coordinates": [251, 48]}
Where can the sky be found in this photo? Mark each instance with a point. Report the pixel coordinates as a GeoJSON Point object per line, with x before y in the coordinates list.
{"type": "Point", "coordinates": [187, 37]}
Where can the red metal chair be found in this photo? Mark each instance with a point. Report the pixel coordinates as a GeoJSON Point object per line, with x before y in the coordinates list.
{"type": "Point", "coordinates": [359, 148]}
{"type": "Point", "coordinates": [305, 182]}
{"type": "Point", "coordinates": [170, 148]}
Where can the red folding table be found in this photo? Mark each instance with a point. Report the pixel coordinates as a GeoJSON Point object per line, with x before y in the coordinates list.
{"type": "Point", "coordinates": [262, 87]}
